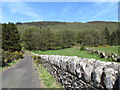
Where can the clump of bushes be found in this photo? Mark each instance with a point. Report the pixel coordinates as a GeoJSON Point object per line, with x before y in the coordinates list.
{"type": "Point", "coordinates": [37, 59]}
{"type": "Point", "coordinates": [19, 54]}
{"type": "Point", "coordinates": [8, 57]}
{"type": "Point", "coordinates": [82, 48]}
{"type": "Point", "coordinates": [103, 46]}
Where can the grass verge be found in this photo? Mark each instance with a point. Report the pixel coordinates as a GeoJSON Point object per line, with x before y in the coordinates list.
{"type": "Point", "coordinates": [2, 69]}
{"type": "Point", "coordinates": [46, 78]}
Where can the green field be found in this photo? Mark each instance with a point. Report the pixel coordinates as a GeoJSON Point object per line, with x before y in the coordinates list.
{"type": "Point", "coordinates": [108, 49]}
{"type": "Point", "coordinates": [71, 52]}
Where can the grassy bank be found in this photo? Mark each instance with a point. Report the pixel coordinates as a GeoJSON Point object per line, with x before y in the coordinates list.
{"type": "Point", "coordinates": [9, 65]}
{"type": "Point", "coordinates": [47, 80]}
{"type": "Point", "coordinates": [71, 52]}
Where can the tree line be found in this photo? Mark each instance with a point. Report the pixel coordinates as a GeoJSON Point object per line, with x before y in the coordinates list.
{"type": "Point", "coordinates": [48, 39]}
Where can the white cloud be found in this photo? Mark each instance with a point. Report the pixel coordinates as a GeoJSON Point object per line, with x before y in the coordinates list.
{"type": "Point", "coordinates": [22, 8]}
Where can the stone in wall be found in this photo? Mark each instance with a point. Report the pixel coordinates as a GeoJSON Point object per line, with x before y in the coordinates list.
{"type": "Point", "coordinates": [118, 59]}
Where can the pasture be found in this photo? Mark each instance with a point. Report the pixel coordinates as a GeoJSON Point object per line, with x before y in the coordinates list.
{"type": "Point", "coordinates": [71, 52]}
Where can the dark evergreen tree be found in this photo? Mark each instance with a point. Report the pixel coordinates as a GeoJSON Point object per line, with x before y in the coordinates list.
{"type": "Point", "coordinates": [10, 38]}
{"type": "Point", "coordinates": [49, 40]}
{"type": "Point", "coordinates": [114, 39]}
{"type": "Point", "coordinates": [88, 40]}
{"type": "Point", "coordinates": [118, 36]}
{"type": "Point", "coordinates": [27, 39]}
{"type": "Point", "coordinates": [107, 36]}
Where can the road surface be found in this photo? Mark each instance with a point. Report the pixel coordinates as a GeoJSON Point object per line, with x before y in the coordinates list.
{"type": "Point", "coordinates": [22, 75]}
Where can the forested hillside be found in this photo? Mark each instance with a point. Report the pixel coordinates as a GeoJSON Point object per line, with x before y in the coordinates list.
{"type": "Point", "coordinates": [59, 35]}
{"type": "Point", "coordinates": [76, 26]}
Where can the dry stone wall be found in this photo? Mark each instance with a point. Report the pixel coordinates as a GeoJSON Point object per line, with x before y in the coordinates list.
{"type": "Point", "coordinates": [82, 73]}
{"type": "Point", "coordinates": [111, 56]}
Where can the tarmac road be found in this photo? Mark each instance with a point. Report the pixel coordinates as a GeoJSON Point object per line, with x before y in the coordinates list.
{"type": "Point", "coordinates": [22, 75]}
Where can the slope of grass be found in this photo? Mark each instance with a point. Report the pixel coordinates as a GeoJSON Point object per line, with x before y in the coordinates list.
{"type": "Point", "coordinates": [71, 52]}
{"type": "Point", "coordinates": [9, 65]}
{"type": "Point", "coordinates": [47, 79]}
{"type": "Point", "coordinates": [113, 49]}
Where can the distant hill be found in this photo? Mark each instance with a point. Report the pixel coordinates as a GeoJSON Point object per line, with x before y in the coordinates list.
{"type": "Point", "coordinates": [58, 22]}
{"type": "Point", "coordinates": [101, 22]}
{"type": "Point", "coordinates": [74, 26]}
{"type": "Point", "coordinates": [42, 23]}
{"type": "Point", "coordinates": [53, 23]}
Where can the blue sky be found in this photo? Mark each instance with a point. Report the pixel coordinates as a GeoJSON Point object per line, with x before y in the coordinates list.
{"type": "Point", "coordinates": [59, 11]}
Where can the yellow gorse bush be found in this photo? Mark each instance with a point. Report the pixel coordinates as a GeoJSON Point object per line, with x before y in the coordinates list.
{"type": "Point", "coordinates": [103, 46]}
